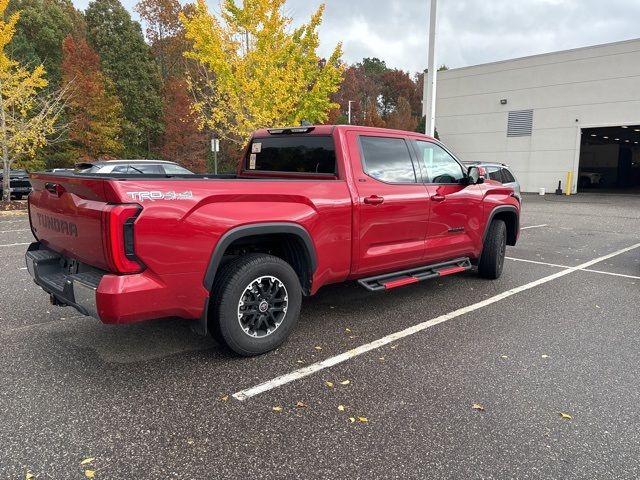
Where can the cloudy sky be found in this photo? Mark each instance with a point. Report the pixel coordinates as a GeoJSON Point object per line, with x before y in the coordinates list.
{"type": "Point", "coordinates": [470, 31]}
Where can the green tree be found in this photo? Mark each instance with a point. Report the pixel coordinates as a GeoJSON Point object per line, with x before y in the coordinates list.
{"type": "Point", "coordinates": [259, 71]}
{"type": "Point", "coordinates": [127, 61]}
{"type": "Point", "coordinates": [42, 27]}
{"type": "Point", "coordinates": [28, 115]}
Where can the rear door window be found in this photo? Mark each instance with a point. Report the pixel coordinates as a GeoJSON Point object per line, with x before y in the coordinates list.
{"type": "Point", "coordinates": [494, 174]}
{"type": "Point", "coordinates": [387, 159]}
{"type": "Point", "coordinates": [507, 176]}
{"type": "Point", "coordinates": [292, 154]}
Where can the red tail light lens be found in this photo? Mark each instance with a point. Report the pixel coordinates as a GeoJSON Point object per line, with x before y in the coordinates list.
{"type": "Point", "coordinates": [119, 245]}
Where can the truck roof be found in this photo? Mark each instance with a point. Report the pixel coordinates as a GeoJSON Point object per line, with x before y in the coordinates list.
{"type": "Point", "coordinates": [329, 129]}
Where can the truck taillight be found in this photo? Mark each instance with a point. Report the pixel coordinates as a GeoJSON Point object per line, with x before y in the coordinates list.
{"type": "Point", "coordinates": [119, 245]}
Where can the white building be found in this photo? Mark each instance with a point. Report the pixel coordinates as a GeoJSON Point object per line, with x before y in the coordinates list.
{"type": "Point", "coordinates": [546, 115]}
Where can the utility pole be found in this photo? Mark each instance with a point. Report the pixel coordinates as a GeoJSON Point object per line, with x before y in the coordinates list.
{"type": "Point", "coordinates": [429, 102]}
{"type": "Point", "coordinates": [350, 102]}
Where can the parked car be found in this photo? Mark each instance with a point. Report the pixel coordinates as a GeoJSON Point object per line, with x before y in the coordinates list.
{"type": "Point", "coordinates": [152, 167]}
{"type": "Point", "coordinates": [308, 207]}
{"type": "Point", "coordinates": [500, 173]}
{"type": "Point", "coordinates": [18, 182]}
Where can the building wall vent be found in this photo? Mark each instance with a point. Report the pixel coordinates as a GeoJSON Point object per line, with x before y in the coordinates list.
{"type": "Point", "coordinates": [520, 123]}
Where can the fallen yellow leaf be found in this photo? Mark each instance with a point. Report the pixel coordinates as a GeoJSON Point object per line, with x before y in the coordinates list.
{"type": "Point", "coordinates": [90, 473]}
{"type": "Point", "coordinates": [381, 359]}
{"type": "Point", "coordinates": [566, 415]}
{"type": "Point", "coordinates": [545, 356]}
{"type": "Point", "coordinates": [225, 398]}
{"type": "Point", "coordinates": [277, 409]}
{"type": "Point", "coordinates": [503, 356]}
{"type": "Point", "coordinates": [341, 408]}
{"type": "Point", "coordinates": [28, 475]}
{"type": "Point", "coordinates": [300, 404]}
{"type": "Point", "coordinates": [329, 384]}
{"type": "Point", "coordinates": [363, 419]}
{"type": "Point", "coordinates": [393, 346]}
{"type": "Point", "coordinates": [351, 419]}
{"type": "Point", "coordinates": [318, 347]}
{"type": "Point", "coordinates": [300, 361]}
{"type": "Point", "coordinates": [348, 330]}
{"type": "Point", "coordinates": [345, 382]}
{"type": "Point", "coordinates": [477, 406]}
{"type": "Point", "coordinates": [87, 460]}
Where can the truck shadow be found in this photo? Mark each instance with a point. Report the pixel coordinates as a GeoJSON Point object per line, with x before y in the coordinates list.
{"type": "Point", "coordinates": [331, 307]}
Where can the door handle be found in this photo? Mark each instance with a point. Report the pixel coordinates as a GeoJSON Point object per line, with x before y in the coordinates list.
{"type": "Point", "coordinates": [373, 200]}
{"type": "Point", "coordinates": [437, 198]}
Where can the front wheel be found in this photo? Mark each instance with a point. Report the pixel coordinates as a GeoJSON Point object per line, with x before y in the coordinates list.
{"type": "Point", "coordinates": [257, 300]}
{"type": "Point", "coordinates": [495, 247]}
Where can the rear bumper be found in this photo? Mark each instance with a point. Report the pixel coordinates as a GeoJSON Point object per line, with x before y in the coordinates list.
{"type": "Point", "coordinates": [50, 271]}
{"type": "Point", "coordinates": [113, 298]}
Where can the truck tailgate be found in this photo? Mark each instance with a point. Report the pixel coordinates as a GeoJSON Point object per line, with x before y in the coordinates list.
{"type": "Point", "coordinates": [66, 215]}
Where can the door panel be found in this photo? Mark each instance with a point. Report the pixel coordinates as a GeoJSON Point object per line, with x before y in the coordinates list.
{"type": "Point", "coordinates": [390, 218]}
{"type": "Point", "coordinates": [455, 222]}
{"type": "Point", "coordinates": [456, 208]}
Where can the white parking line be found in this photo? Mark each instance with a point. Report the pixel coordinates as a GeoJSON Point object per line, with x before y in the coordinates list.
{"type": "Point", "coordinates": [566, 266]}
{"type": "Point", "coordinates": [534, 226]}
{"type": "Point", "coordinates": [14, 244]}
{"type": "Point", "coordinates": [11, 231]}
{"type": "Point", "coordinates": [330, 362]}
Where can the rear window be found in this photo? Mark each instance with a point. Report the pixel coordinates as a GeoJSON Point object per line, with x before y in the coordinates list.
{"type": "Point", "coordinates": [387, 159]}
{"type": "Point", "coordinates": [295, 154]}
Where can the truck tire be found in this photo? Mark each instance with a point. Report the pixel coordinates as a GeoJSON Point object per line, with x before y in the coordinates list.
{"type": "Point", "coordinates": [493, 252]}
{"type": "Point", "coordinates": [256, 303]}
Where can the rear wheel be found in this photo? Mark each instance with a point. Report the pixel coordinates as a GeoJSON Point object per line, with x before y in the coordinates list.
{"type": "Point", "coordinates": [494, 250]}
{"type": "Point", "coordinates": [257, 300]}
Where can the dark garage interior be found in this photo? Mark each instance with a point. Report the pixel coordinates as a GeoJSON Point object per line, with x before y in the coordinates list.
{"type": "Point", "coordinates": [610, 159]}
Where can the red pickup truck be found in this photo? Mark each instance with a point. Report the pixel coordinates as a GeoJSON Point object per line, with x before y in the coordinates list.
{"type": "Point", "coordinates": [235, 254]}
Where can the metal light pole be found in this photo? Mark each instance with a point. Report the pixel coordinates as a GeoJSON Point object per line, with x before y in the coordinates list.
{"type": "Point", "coordinates": [429, 102]}
{"type": "Point", "coordinates": [350, 102]}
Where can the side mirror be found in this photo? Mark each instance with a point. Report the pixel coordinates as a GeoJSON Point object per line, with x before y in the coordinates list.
{"type": "Point", "coordinates": [474, 176]}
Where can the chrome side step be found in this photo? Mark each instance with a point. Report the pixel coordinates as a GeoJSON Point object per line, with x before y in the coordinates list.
{"type": "Point", "coordinates": [415, 275]}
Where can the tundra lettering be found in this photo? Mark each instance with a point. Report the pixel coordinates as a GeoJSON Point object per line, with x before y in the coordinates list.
{"type": "Point", "coordinates": [57, 225]}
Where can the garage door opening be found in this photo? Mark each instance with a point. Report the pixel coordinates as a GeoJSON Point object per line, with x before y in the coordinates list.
{"type": "Point", "coordinates": [610, 160]}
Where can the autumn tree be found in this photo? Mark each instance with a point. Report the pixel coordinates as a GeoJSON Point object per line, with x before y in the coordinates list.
{"type": "Point", "coordinates": [402, 117]}
{"type": "Point", "coordinates": [126, 60]}
{"type": "Point", "coordinates": [95, 111]}
{"type": "Point", "coordinates": [396, 84]}
{"type": "Point", "coordinates": [165, 33]}
{"type": "Point", "coordinates": [182, 141]}
{"type": "Point", "coordinates": [261, 71]}
{"type": "Point", "coordinates": [28, 115]}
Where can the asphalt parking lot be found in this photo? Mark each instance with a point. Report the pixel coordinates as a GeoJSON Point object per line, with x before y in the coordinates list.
{"type": "Point", "coordinates": [558, 333]}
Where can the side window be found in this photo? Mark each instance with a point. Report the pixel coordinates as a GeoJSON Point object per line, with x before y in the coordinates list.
{"type": "Point", "coordinates": [507, 176]}
{"type": "Point", "coordinates": [120, 169]}
{"type": "Point", "coordinates": [439, 165]}
{"type": "Point", "coordinates": [494, 174]}
{"type": "Point", "coordinates": [387, 159]}
{"type": "Point", "coordinates": [146, 168]}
